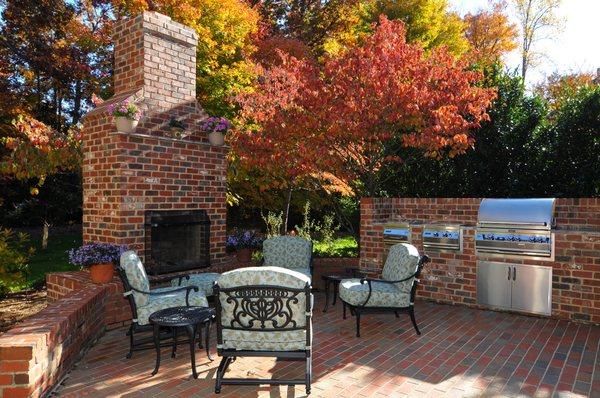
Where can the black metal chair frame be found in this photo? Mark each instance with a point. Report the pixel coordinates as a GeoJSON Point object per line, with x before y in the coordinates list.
{"type": "Point", "coordinates": [310, 264]}
{"type": "Point", "coordinates": [358, 310]}
{"type": "Point", "coordinates": [147, 343]}
{"type": "Point", "coordinates": [282, 297]}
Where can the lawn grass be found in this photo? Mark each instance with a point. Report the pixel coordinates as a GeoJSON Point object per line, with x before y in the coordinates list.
{"type": "Point", "coordinates": [53, 259]}
{"type": "Point", "coordinates": [341, 247]}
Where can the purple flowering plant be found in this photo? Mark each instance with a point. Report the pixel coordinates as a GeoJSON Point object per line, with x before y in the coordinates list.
{"type": "Point", "coordinates": [244, 240]}
{"type": "Point", "coordinates": [126, 109]}
{"type": "Point", "coordinates": [215, 124]}
{"type": "Point", "coordinates": [96, 253]}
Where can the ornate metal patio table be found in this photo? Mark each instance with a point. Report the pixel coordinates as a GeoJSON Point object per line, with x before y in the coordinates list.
{"type": "Point", "coordinates": [190, 318]}
{"type": "Point", "coordinates": [351, 272]}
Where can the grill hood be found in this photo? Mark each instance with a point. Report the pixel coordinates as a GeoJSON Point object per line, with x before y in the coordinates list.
{"type": "Point", "coordinates": [517, 213]}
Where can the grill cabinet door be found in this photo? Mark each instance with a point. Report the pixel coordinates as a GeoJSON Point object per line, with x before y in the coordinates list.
{"type": "Point", "coordinates": [531, 289]}
{"type": "Point", "coordinates": [493, 284]}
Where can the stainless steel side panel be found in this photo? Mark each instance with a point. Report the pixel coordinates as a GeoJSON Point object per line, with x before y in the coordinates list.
{"type": "Point", "coordinates": [494, 282]}
{"type": "Point", "coordinates": [532, 289]}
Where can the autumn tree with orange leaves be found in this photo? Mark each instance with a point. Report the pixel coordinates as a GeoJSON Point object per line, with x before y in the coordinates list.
{"type": "Point", "coordinates": [338, 119]}
{"type": "Point", "coordinates": [491, 34]}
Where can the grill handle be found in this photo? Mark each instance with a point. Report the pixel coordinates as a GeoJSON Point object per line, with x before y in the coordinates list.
{"type": "Point", "coordinates": [508, 251]}
{"type": "Point", "coordinates": [542, 224]}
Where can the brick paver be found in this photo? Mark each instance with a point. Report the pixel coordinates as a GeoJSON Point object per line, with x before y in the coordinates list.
{"type": "Point", "coordinates": [462, 352]}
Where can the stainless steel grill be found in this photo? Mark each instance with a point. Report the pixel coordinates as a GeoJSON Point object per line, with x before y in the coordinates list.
{"type": "Point", "coordinates": [516, 227]}
{"type": "Point", "coordinates": [398, 232]}
{"type": "Point", "coordinates": [439, 237]}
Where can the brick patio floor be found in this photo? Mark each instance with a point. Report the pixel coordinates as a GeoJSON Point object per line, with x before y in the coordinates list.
{"type": "Point", "coordinates": [462, 352]}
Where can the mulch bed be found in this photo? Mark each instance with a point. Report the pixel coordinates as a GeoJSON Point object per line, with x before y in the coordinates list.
{"type": "Point", "coordinates": [17, 306]}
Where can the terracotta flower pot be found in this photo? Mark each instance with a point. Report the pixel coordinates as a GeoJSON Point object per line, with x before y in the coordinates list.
{"type": "Point", "coordinates": [216, 138]}
{"type": "Point", "coordinates": [125, 125]}
{"type": "Point", "coordinates": [244, 255]}
{"type": "Point", "coordinates": [102, 273]}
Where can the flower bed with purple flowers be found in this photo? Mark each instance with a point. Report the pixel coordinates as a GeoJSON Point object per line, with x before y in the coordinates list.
{"type": "Point", "coordinates": [244, 240]}
{"type": "Point", "coordinates": [96, 253]}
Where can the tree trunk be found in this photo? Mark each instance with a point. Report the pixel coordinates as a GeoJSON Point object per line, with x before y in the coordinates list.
{"type": "Point", "coordinates": [45, 233]}
{"type": "Point", "coordinates": [287, 210]}
{"type": "Point", "coordinates": [75, 114]}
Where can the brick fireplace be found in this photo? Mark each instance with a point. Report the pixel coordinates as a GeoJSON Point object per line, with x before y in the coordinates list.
{"type": "Point", "coordinates": [127, 175]}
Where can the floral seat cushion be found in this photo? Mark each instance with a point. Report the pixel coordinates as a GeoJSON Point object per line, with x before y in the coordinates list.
{"type": "Point", "coordinates": [175, 299]}
{"type": "Point", "coordinates": [204, 281]}
{"type": "Point", "coordinates": [287, 252]}
{"type": "Point", "coordinates": [256, 338]}
{"type": "Point", "coordinates": [383, 295]}
{"type": "Point", "coordinates": [272, 341]}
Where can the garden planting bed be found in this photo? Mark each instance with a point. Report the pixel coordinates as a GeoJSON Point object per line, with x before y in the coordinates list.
{"type": "Point", "coordinates": [18, 306]}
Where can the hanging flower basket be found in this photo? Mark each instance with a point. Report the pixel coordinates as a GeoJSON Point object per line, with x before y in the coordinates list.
{"type": "Point", "coordinates": [216, 128]}
{"type": "Point", "coordinates": [125, 125]}
{"type": "Point", "coordinates": [127, 115]}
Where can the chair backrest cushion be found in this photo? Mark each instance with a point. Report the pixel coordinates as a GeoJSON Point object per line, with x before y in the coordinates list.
{"type": "Point", "coordinates": [402, 261]}
{"type": "Point", "coordinates": [136, 276]}
{"type": "Point", "coordinates": [267, 304]}
{"type": "Point", "coordinates": [287, 252]}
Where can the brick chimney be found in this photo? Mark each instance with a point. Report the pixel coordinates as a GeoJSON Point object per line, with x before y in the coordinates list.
{"type": "Point", "coordinates": [156, 55]}
{"type": "Point", "coordinates": [126, 175]}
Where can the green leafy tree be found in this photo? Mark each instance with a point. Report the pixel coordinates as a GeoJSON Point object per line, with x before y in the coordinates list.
{"type": "Point", "coordinates": [429, 22]}
{"type": "Point", "coordinates": [504, 161]}
{"type": "Point", "coordinates": [571, 145]}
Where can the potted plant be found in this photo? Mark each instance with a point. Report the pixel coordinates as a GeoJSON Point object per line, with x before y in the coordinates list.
{"type": "Point", "coordinates": [216, 128]}
{"type": "Point", "coordinates": [126, 114]}
{"type": "Point", "coordinates": [243, 243]}
{"type": "Point", "coordinates": [100, 258]}
{"type": "Point", "coordinates": [177, 128]}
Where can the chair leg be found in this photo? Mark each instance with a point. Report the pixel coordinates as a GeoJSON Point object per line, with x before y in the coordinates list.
{"type": "Point", "coordinates": [130, 353]}
{"type": "Point", "coordinates": [344, 306]}
{"type": "Point", "coordinates": [220, 372]}
{"type": "Point", "coordinates": [174, 335]}
{"type": "Point", "coordinates": [411, 312]}
{"type": "Point", "coordinates": [357, 323]}
{"type": "Point", "coordinates": [308, 373]}
{"type": "Point", "coordinates": [397, 315]}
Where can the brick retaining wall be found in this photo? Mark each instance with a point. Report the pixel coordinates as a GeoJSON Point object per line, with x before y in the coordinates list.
{"type": "Point", "coordinates": [38, 352]}
{"type": "Point", "coordinates": [451, 278]}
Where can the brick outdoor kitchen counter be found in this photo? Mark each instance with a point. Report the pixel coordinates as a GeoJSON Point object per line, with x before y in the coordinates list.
{"type": "Point", "coordinates": [452, 277]}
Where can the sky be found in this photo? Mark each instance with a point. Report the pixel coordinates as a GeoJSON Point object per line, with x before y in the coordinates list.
{"type": "Point", "coordinates": [575, 49]}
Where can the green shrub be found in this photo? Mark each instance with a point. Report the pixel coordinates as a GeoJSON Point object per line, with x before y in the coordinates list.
{"type": "Point", "coordinates": [15, 253]}
{"type": "Point", "coordinates": [273, 221]}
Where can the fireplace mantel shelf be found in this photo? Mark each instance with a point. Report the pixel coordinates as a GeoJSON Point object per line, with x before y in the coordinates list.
{"type": "Point", "coordinates": [158, 137]}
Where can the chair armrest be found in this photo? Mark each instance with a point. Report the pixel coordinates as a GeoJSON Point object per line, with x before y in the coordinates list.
{"type": "Point", "coordinates": [355, 272]}
{"type": "Point", "coordinates": [187, 289]}
{"type": "Point", "coordinates": [363, 280]}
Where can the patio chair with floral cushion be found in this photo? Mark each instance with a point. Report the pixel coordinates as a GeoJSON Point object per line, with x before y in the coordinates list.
{"type": "Point", "coordinates": [292, 252]}
{"type": "Point", "coordinates": [263, 311]}
{"type": "Point", "coordinates": [394, 292]}
{"type": "Point", "coordinates": [143, 301]}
